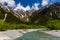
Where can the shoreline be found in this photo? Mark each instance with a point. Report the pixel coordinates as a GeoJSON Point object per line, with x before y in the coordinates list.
{"type": "Point", "coordinates": [13, 34]}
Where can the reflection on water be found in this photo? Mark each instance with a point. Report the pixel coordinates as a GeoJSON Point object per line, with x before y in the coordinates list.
{"type": "Point", "coordinates": [37, 35]}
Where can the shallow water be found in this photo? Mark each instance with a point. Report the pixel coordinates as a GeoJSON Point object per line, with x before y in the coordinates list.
{"type": "Point", "coordinates": [38, 35]}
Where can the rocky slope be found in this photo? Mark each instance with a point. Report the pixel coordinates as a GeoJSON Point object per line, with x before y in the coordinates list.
{"type": "Point", "coordinates": [48, 12]}
{"type": "Point", "coordinates": [8, 14]}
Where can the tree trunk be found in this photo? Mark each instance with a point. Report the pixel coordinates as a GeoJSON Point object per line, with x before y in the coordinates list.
{"type": "Point", "coordinates": [5, 17]}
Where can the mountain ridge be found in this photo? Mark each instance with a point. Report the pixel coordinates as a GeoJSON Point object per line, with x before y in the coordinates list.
{"type": "Point", "coordinates": [47, 12]}
{"type": "Point", "coordinates": [31, 14]}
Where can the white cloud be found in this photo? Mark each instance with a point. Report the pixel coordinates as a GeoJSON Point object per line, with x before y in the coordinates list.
{"type": "Point", "coordinates": [28, 8]}
{"type": "Point", "coordinates": [45, 2]}
{"type": "Point", "coordinates": [10, 3]}
{"type": "Point", "coordinates": [35, 6]}
{"type": "Point", "coordinates": [19, 6]}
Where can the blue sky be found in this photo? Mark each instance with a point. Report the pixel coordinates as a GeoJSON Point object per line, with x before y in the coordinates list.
{"type": "Point", "coordinates": [31, 2]}
{"type": "Point", "coordinates": [27, 4]}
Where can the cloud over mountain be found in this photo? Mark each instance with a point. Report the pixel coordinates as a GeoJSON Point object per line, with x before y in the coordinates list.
{"type": "Point", "coordinates": [19, 6]}
{"type": "Point", "coordinates": [45, 2]}
{"type": "Point", "coordinates": [10, 3]}
{"type": "Point", "coordinates": [35, 5]}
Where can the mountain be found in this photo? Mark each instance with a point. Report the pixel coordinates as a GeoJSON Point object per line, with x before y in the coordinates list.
{"type": "Point", "coordinates": [8, 14]}
{"type": "Point", "coordinates": [48, 12]}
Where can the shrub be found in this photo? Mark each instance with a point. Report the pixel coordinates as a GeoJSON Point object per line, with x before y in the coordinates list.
{"type": "Point", "coordinates": [54, 24]}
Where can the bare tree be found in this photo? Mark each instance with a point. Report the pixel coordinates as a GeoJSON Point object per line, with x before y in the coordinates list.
{"type": "Point", "coordinates": [5, 17]}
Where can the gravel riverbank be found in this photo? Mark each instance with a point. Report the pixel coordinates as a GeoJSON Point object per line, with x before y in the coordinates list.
{"type": "Point", "coordinates": [13, 34]}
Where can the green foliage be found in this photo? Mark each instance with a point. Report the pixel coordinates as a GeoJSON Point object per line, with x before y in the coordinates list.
{"type": "Point", "coordinates": [54, 24]}
{"type": "Point", "coordinates": [9, 26]}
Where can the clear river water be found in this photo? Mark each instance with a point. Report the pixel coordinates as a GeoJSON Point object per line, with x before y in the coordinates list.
{"type": "Point", "coordinates": [37, 35]}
